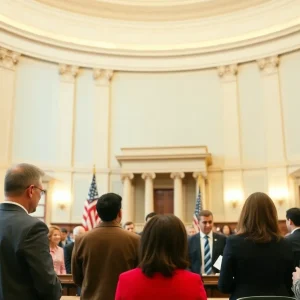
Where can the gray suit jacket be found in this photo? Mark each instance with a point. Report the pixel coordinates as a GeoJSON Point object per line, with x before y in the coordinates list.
{"type": "Point", "coordinates": [294, 240]}
{"type": "Point", "coordinates": [26, 266]}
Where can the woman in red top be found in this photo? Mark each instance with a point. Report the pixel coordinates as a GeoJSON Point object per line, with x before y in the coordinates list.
{"type": "Point", "coordinates": [161, 273]}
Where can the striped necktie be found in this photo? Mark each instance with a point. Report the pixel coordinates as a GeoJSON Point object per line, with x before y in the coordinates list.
{"type": "Point", "coordinates": [207, 256]}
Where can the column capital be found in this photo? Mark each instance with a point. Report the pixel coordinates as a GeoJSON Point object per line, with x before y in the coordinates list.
{"type": "Point", "coordinates": [148, 175]}
{"type": "Point", "coordinates": [228, 72]}
{"type": "Point", "coordinates": [8, 58]}
{"type": "Point", "coordinates": [68, 72]}
{"type": "Point", "coordinates": [102, 76]}
{"type": "Point", "coordinates": [196, 175]}
{"type": "Point", "coordinates": [175, 175]}
{"type": "Point", "coordinates": [128, 176]}
{"type": "Point", "coordinates": [268, 65]}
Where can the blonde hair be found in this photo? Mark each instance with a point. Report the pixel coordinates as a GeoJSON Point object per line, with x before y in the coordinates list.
{"type": "Point", "coordinates": [52, 228]}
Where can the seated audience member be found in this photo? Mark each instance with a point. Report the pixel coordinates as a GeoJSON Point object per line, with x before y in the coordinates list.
{"type": "Point", "coordinates": [68, 249]}
{"type": "Point", "coordinates": [129, 226]}
{"type": "Point", "coordinates": [161, 273]}
{"type": "Point", "coordinates": [56, 252]}
{"type": "Point", "coordinates": [293, 226]}
{"type": "Point", "coordinates": [226, 230]}
{"type": "Point", "coordinates": [296, 283]}
{"type": "Point", "coordinates": [103, 253]}
{"type": "Point", "coordinates": [257, 261]}
{"type": "Point", "coordinates": [190, 230]}
{"type": "Point", "coordinates": [65, 239]}
{"type": "Point", "coordinates": [205, 247]}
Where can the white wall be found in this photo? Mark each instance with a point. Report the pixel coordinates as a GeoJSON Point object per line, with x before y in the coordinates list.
{"type": "Point", "coordinates": [154, 109]}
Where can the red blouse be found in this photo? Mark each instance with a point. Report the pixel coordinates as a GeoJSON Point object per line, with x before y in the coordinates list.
{"type": "Point", "coordinates": [183, 285]}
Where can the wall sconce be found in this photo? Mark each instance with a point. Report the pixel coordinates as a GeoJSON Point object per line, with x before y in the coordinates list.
{"type": "Point", "coordinates": [61, 198]}
{"type": "Point", "coordinates": [233, 197]}
{"type": "Point", "coordinates": [279, 195]}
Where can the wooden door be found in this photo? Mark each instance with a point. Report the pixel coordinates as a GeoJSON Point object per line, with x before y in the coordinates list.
{"type": "Point", "coordinates": [163, 201]}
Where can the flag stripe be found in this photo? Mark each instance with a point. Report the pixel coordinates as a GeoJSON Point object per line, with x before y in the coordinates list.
{"type": "Point", "coordinates": [90, 218]}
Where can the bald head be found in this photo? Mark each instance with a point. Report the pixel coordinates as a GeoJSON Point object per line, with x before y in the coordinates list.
{"type": "Point", "coordinates": [78, 230]}
{"type": "Point", "coordinates": [20, 177]}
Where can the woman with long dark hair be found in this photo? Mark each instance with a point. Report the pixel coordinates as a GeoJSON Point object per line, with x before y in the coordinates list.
{"type": "Point", "coordinates": [257, 261]}
{"type": "Point", "coordinates": [163, 261]}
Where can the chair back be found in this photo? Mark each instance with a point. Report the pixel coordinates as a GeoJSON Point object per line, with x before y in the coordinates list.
{"type": "Point", "coordinates": [266, 298]}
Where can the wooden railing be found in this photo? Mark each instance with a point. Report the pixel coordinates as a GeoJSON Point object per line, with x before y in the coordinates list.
{"type": "Point", "coordinates": [210, 284]}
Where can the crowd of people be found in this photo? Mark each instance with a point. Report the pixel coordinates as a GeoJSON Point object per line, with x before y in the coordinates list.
{"type": "Point", "coordinates": [164, 261]}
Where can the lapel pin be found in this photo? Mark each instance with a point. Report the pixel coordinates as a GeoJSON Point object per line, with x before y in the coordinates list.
{"type": "Point", "coordinates": [215, 240]}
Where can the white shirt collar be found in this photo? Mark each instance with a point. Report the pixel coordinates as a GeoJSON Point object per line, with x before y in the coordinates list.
{"type": "Point", "coordinates": [295, 230]}
{"type": "Point", "coordinates": [210, 235]}
{"type": "Point", "coordinates": [15, 203]}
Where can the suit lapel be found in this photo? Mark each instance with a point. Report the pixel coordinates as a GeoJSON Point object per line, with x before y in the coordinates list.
{"type": "Point", "coordinates": [215, 246]}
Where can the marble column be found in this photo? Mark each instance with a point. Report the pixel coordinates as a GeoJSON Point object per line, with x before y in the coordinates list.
{"type": "Point", "coordinates": [274, 133]}
{"type": "Point", "coordinates": [200, 178]}
{"type": "Point", "coordinates": [8, 61]}
{"type": "Point", "coordinates": [127, 202]}
{"type": "Point", "coordinates": [178, 195]}
{"type": "Point", "coordinates": [232, 175]}
{"type": "Point", "coordinates": [101, 127]}
{"type": "Point", "coordinates": [149, 204]}
{"type": "Point", "coordinates": [275, 143]}
{"type": "Point", "coordinates": [65, 130]}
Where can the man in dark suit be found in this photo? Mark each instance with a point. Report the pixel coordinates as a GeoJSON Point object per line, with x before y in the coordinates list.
{"type": "Point", "coordinates": [102, 254]}
{"type": "Point", "coordinates": [68, 249]}
{"type": "Point", "coordinates": [205, 247]}
{"type": "Point", "coordinates": [293, 226]}
{"type": "Point", "coordinates": [26, 266]}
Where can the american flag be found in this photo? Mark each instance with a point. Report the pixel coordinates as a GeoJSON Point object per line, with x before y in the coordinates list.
{"type": "Point", "coordinates": [90, 217]}
{"type": "Point", "coordinates": [197, 210]}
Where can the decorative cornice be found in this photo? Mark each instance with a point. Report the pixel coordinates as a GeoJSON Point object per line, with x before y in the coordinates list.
{"type": "Point", "coordinates": [68, 72]}
{"type": "Point", "coordinates": [176, 175]}
{"type": "Point", "coordinates": [103, 77]}
{"type": "Point", "coordinates": [146, 176]}
{"type": "Point", "coordinates": [228, 72]}
{"type": "Point", "coordinates": [269, 64]}
{"type": "Point", "coordinates": [8, 58]}
{"type": "Point", "coordinates": [127, 176]}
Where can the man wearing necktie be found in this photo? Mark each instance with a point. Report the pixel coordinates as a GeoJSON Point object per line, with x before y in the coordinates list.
{"type": "Point", "coordinates": [205, 247]}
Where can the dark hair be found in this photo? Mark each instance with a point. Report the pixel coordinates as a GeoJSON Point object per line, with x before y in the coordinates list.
{"type": "Point", "coordinates": [293, 214]}
{"type": "Point", "coordinates": [64, 230]}
{"type": "Point", "coordinates": [205, 213]}
{"type": "Point", "coordinates": [258, 219]}
{"type": "Point", "coordinates": [163, 246]}
{"type": "Point", "coordinates": [20, 177]}
{"type": "Point", "coordinates": [108, 206]}
{"type": "Point", "coordinates": [230, 230]}
{"type": "Point", "coordinates": [127, 223]}
{"type": "Point", "coordinates": [151, 215]}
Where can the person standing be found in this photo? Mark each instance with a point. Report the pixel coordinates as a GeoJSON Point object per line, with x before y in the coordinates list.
{"type": "Point", "coordinates": [205, 247]}
{"type": "Point", "coordinates": [257, 261]}
{"type": "Point", "coordinates": [56, 252]}
{"type": "Point", "coordinates": [26, 267]}
{"type": "Point", "coordinates": [162, 271]}
{"type": "Point", "coordinates": [102, 254]}
{"type": "Point", "coordinates": [293, 226]}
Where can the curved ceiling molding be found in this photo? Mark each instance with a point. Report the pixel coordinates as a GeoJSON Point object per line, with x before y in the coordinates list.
{"type": "Point", "coordinates": [152, 10]}
{"type": "Point", "coordinates": [38, 30]}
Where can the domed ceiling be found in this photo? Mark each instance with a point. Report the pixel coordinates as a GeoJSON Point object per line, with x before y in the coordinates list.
{"type": "Point", "coordinates": [153, 10]}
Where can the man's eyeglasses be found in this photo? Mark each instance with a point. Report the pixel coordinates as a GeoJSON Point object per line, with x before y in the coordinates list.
{"type": "Point", "coordinates": [43, 192]}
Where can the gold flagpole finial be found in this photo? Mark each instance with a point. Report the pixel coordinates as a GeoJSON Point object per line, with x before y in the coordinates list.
{"type": "Point", "coordinates": [94, 169]}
